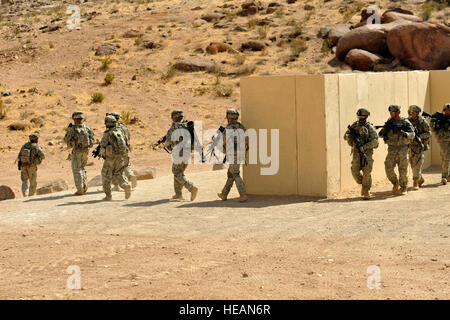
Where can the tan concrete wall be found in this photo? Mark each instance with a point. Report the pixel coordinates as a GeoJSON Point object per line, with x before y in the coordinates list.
{"type": "Point", "coordinates": [440, 95]}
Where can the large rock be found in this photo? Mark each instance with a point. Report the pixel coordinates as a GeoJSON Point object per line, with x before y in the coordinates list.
{"type": "Point", "coordinates": [6, 193]}
{"type": "Point", "coordinates": [95, 182]}
{"type": "Point", "coordinates": [422, 46]}
{"type": "Point", "coordinates": [132, 34]}
{"type": "Point", "coordinates": [54, 186]}
{"type": "Point", "coordinates": [336, 32]}
{"type": "Point", "coordinates": [390, 16]}
{"type": "Point", "coordinates": [19, 126]}
{"type": "Point", "coordinates": [362, 60]}
{"type": "Point", "coordinates": [216, 47]}
{"type": "Point", "coordinates": [105, 49]}
{"type": "Point", "coordinates": [366, 38]}
{"type": "Point", "coordinates": [145, 174]}
{"type": "Point", "coordinates": [254, 45]}
{"type": "Point", "coordinates": [193, 65]}
{"type": "Point", "coordinates": [212, 17]}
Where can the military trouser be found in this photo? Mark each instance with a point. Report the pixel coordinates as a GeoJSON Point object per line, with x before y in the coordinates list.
{"type": "Point", "coordinates": [179, 179]}
{"type": "Point", "coordinates": [416, 160]}
{"type": "Point", "coordinates": [113, 171]}
{"type": "Point", "coordinates": [79, 161]}
{"type": "Point", "coordinates": [29, 173]}
{"type": "Point", "coordinates": [366, 177]}
{"type": "Point", "coordinates": [233, 176]}
{"type": "Point", "coordinates": [445, 158]}
{"type": "Point", "coordinates": [128, 171]}
{"type": "Point", "coordinates": [397, 155]}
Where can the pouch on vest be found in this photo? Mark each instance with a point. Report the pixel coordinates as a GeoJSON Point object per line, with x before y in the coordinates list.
{"type": "Point", "coordinates": [25, 156]}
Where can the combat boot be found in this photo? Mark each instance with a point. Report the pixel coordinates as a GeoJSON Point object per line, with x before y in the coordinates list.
{"type": "Point", "coordinates": [127, 192]}
{"type": "Point", "coordinates": [79, 193]}
{"type": "Point", "coordinates": [365, 194]}
{"type": "Point", "coordinates": [403, 191]}
{"type": "Point", "coordinates": [133, 181]}
{"type": "Point", "coordinates": [444, 181]}
{"type": "Point", "coordinates": [193, 191]}
{"type": "Point", "coordinates": [85, 188]}
{"type": "Point", "coordinates": [222, 196]}
{"type": "Point", "coordinates": [177, 197]}
{"type": "Point", "coordinates": [416, 184]}
{"type": "Point", "coordinates": [107, 198]}
{"type": "Point", "coordinates": [421, 181]}
{"type": "Point", "coordinates": [243, 198]}
{"type": "Point", "coordinates": [395, 188]}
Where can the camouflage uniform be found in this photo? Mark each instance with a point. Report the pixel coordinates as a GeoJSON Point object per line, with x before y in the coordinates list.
{"type": "Point", "coordinates": [398, 144]}
{"type": "Point", "coordinates": [79, 154]}
{"type": "Point", "coordinates": [29, 171]}
{"type": "Point", "coordinates": [416, 153]}
{"type": "Point", "coordinates": [179, 179]}
{"type": "Point", "coordinates": [114, 164]}
{"type": "Point", "coordinates": [443, 137]}
{"type": "Point", "coordinates": [233, 174]}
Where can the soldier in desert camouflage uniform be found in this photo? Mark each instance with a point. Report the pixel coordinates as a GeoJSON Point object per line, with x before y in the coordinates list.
{"type": "Point", "coordinates": [80, 138]}
{"type": "Point", "coordinates": [128, 171]}
{"type": "Point", "coordinates": [416, 151]}
{"type": "Point", "coordinates": [113, 148]}
{"type": "Point", "coordinates": [234, 144]}
{"type": "Point", "coordinates": [30, 156]}
{"type": "Point", "coordinates": [397, 134]}
{"type": "Point", "coordinates": [369, 140]}
{"type": "Point", "coordinates": [443, 137]}
{"type": "Point", "coordinates": [179, 179]}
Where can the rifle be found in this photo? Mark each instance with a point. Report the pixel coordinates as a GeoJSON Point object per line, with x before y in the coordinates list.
{"type": "Point", "coordinates": [19, 165]}
{"type": "Point", "coordinates": [357, 139]}
{"type": "Point", "coordinates": [215, 142]}
{"type": "Point", "coordinates": [441, 119]}
{"type": "Point", "coordinates": [159, 142]}
{"type": "Point", "coordinates": [96, 152]}
{"type": "Point", "coordinates": [388, 126]}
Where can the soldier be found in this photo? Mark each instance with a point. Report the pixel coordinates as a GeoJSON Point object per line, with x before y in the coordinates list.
{"type": "Point", "coordinates": [234, 166]}
{"type": "Point", "coordinates": [30, 156]}
{"type": "Point", "coordinates": [419, 145]}
{"type": "Point", "coordinates": [180, 180]}
{"type": "Point", "coordinates": [128, 171]}
{"type": "Point", "coordinates": [80, 138]}
{"type": "Point", "coordinates": [113, 148]}
{"type": "Point", "coordinates": [363, 138]}
{"type": "Point", "coordinates": [442, 130]}
{"type": "Point", "coordinates": [397, 133]}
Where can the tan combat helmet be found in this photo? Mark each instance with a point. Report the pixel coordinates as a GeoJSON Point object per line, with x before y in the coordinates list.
{"type": "Point", "coordinates": [114, 114]}
{"type": "Point", "coordinates": [233, 114]}
{"type": "Point", "coordinates": [177, 114]}
{"type": "Point", "coordinates": [33, 136]}
{"type": "Point", "coordinates": [77, 115]}
{"type": "Point", "coordinates": [110, 121]}
{"type": "Point", "coordinates": [414, 108]}
{"type": "Point", "coordinates": [362, 112]}
{"type": "Point", "coordinates": [446, 106]}
{"type": "Point", "coordinates": [394, 108]}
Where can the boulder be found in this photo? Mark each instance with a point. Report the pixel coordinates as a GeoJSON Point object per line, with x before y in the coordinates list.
{"type": "Point", "coordinates": [250, 7]}
{"type": "Point", "coordinates": [362, 60]}
{"type": "Point", "coordinates": [132, 34]}
{"type": "Point", "coordinates": [198, 23]}
{"type": "Point", "coordinates": [38, 121]}
{"type": "Point", "coordinates": [96, 181]}
{"type": "Point", "coordinates": [212, 17]}
{"type": "Point", "coordinates": [366, 38]}
{"type": "Point", "coordinates": [254, 45]}
{"type": "Point", "coordinates": [336, 32]}
{"type": "Point", "coordinates": [216, 47]}
{"type": "Point", "coordinates": [145, 173]}
{"type": "Point", "coordinates": [19, 126]}
{"type": "Point", "coordinates": [105, 49]}
{"type": "Point", "coordinates": [193, 65]}
{"type": "Point", "coordinates": [6, 193]}
{"type": "Point", "coordinates": [54, 186]}
{"type": "Point", "coordinates": [390, 16]}
{"type": "Point", "coordinates": [423, 46]}
{"type": "Point", "coordinates": [148, 43]}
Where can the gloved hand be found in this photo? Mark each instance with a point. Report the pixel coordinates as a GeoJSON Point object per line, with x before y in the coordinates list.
{"type": "Point", "coordinates": [405, 134]}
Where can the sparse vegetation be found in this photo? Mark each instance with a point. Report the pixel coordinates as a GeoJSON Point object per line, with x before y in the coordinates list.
{"type": "Point", "coordinates": [262, 32]}
{"type": "Point", "coordinates": [3, 111]}
{"type": "Point", "coordinates": [297, 46]}
{"type": "Point", "coordinates": [170, 73]}
{"type": "Point", "coordinates": [279, 12]}
{"type": "Point", "coordinates": [239, 59]}
{"type": "Point", "coordinates": [97, 97]}
{"type": "Point", "coordinates": [106, 62]}
{"type": "Point", "coordinates": [326, 49]}
{"type": "Point", "coordinates": [51, 45]}
{"type": "Point", "coordinates": [251, 23]}
{"type": "Point", "coordinates": [126, 117]}
{"type": "Point", "coordinates": [109, 78]}
{"type": "Point", "coordinates": [223, 90]}
{"type": "Point", "coordinates": [427, 9]}
{"type": "Point", "coordinates": [201, 90]}
{"type": "Point", "coordinates": [351, 10]}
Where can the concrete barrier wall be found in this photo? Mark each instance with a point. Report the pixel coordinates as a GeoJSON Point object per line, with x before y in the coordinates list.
{"type": "Point", "coordinates": [313, 112]}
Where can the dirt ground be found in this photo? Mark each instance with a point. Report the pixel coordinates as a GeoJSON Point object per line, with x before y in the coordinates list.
{"type": "Point", "coordinates": [149, 247]}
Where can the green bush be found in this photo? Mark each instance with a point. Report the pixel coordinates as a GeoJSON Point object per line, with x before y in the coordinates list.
{"type": "Point", "coordinates": [109, 79]}
{"type": "Point", "coordinates": [97, 97]}
{"type": "Point", "coordinates": [106, 63]}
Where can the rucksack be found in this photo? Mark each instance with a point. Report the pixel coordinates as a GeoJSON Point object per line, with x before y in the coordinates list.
{"type": "Point", "coordinates": [25, 156]}
{"type": "Point", "coordinates": [120, 144]}
{"type": "Point", "coordinates": [83, 137]}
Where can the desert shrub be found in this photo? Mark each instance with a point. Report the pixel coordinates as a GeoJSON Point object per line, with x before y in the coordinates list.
{"type": "Point", "coordinates": [223, 90]}
{"type": "Point", "coordinates": [170, 73]}
{"type": "Point", "coordinates": [427, 9]}
{"type": "Point", "coordinates": [239, 59]}
{"type": "Point", "coordinates": [3, 111]}
{"type": "Point", "coordinates": [97, 97]}
{"type": "Point", "coordinates": [109, 78]}
{"type": "Point", "coordinates": [251, 23]}
{"type": "Point", "coordinates": [297, 46]}
{"type": "Point", "coordinates": [51, 45]}
{"type": "Point", "coordinates": [106, 62]}
{"type": "Point", "coordinates": [262, 32]}
{"type": "Point", "coordinates": [126, 117]}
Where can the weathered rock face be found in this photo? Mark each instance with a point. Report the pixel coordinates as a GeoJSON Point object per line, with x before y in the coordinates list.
{"type": "Point", "coordinates": [105, 49]}
{"type": "Point", "coordinates": [362, 60]}
{"type": "Point", "coordinates": [6, 193]}
{"type": "Point", "coordinates": [54, 186]}
{"type": "Point", "coordinates": [336, 32]}
{"type": "Point", "coordinates": [365, 38]}
{"type": "Point", "coordinates": [423, 46]}
{"type": "Point", "coordinates": [145, 174]}
{"type": "Point", "coordinates": [390, 16]}
{"type": "Point", "coordinates": [193, 65]}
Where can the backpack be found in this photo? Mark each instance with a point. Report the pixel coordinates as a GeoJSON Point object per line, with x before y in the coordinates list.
{"type": "Point", "coordinates": [83, 137]}
{"type": "Point", "coordinates": [25, 155]}
{"type": "Point", "coordinates": [120, 143]}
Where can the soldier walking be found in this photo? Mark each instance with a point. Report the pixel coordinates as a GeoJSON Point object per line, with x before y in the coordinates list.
{"type": "Point", "coordinates": [113, 148]}
{"type": "Point", "coordinates": [442, 130]}
{"type": "Point", "coordinates": [80, 138]}
{"type": "Point", "coordinates": [30, 156]}
{"type": "Point", "coordinates": [419, 145]}
{"type": "Point", "coordinates": [179, 179]}
{"type": "Point", "coordinates": [363, 138]}
{"type": "Point", "coordinates": [397, 133]}
{"type": "Point", "coordinates": [234, 142]}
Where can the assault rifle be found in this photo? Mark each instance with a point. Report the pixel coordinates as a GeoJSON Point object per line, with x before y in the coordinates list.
{"type": "Point", "coordinates": [215, 142]}
{"type": "Point", "coordinates": [358, 143]}
{"type": "Point", "coordinates": [441, 119]}
{"type": "Point", "coordinates": [96, 152]}
{"type": "Point", "coordinates": [159, 142]}
{"type": "Point", "coordinates": [389, 125]}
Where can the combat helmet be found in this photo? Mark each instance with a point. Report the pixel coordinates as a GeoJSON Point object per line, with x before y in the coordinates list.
{"type": "Point", "coordinates": [414, 108]}
{"type": "Point", "coordinates": [177, 114]}
{"type": "Point", "coordinates": [77, 115]}
{"type": "Point", "coordinates": [446, 106]}
{"type": "Point", "coordinates": [233, 114]}
{"type": "Point", "coordinates": [33, 136]}
{"type": "Point", "coordinates": [110, 121]}
{"type": "Point", "coordinates": [114, 114]}
{"type": "Point", "coordinates": [394, 108]}
{"type": "Point", "coordinates": [362, 112]}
